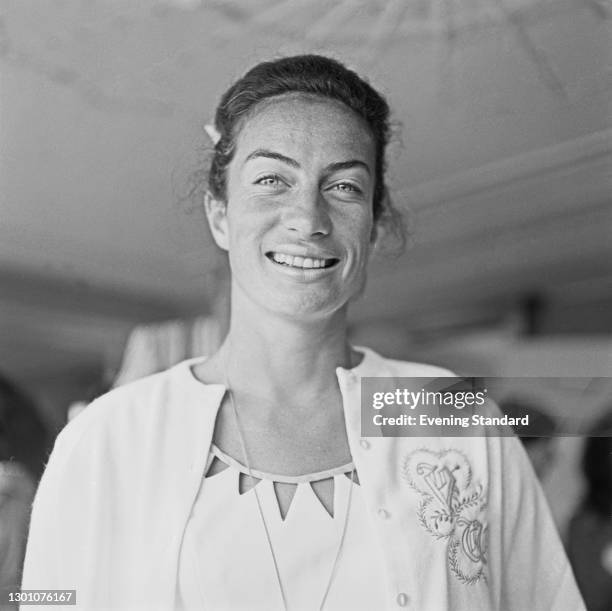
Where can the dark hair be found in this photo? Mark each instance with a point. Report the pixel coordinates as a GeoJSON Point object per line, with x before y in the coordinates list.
{"type": "Point", "coordinates": [308, 74]}
{"type": "Point", "coordinates": [23, 436]}
{"type": "Point", "coordinates": [597, 467]}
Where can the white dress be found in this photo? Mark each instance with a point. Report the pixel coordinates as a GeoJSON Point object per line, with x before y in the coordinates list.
{"type": "Point", "coordinates": [225, 561]}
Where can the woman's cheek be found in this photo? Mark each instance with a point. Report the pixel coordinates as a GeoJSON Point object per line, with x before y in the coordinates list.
{"type": "Point", "coordinates": [360, 227]}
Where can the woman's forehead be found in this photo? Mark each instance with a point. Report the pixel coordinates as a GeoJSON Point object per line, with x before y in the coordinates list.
{"type": "Point", "coordinates": [305, 123]}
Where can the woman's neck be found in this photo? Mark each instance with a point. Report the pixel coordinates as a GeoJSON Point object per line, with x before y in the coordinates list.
{"type": "Point", "coordinates": [280, 358]}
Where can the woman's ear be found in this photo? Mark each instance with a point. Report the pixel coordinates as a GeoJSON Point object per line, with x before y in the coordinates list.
{"type": "Point", "coordinates": [216, 213]}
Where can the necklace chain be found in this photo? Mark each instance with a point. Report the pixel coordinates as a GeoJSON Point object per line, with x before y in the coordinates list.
{"type": "Point", "coordinates": [263, 519]}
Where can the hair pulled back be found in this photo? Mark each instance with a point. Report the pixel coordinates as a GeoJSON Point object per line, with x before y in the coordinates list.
{"type": "Point", "coordinates": [308, 74]}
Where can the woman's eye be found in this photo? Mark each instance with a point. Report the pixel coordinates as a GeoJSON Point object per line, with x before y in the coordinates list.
{"type": "Point", "coordinates": [270, 180]}
{"type": "Point", "coordinates": [347, 187]}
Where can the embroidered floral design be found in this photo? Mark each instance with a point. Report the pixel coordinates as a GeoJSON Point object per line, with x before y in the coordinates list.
{"type": "Point", "coordinates": [451, 508]}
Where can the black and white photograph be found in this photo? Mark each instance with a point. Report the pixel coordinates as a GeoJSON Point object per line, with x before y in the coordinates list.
{"type": "Point", "coordinates": [306, 305]}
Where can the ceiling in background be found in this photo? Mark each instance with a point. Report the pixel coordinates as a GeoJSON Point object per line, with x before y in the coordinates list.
{"type": "Point", "coordinates": [502, 156]}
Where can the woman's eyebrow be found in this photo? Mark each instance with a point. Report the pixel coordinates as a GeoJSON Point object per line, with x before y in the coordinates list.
{"type": "Point", "coordinates": [330, 169]}
{"type": "Point", "coordinates": [347, 165]}
{"type": "Point", "coordinates": [272, 155]}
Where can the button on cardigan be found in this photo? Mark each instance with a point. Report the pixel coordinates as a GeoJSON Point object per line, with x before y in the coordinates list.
{"type": "Point", "coordinates": [465, 526]}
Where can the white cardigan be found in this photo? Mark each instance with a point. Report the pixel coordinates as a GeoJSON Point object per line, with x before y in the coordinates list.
{"type": "Point", "coordinates": [111, 508]}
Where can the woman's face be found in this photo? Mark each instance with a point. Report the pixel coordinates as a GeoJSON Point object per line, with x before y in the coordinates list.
{"type": "Point", "coordinates": [298, 221]}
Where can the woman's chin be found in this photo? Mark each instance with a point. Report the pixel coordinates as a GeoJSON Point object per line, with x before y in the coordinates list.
{"type": "Point", "coordinates": [308, 307]}
{"type": "Point", "coordinates": [300, 301]}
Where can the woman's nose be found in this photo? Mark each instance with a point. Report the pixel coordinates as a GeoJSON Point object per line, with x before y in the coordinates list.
{"type": "Point", "coordinates": [308, 216]}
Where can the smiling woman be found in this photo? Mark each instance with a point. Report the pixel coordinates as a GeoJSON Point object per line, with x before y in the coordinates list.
{"type": "Point", "coordinates": [297, 221]}
{"type": "Point", "coordinates": [240, 480]}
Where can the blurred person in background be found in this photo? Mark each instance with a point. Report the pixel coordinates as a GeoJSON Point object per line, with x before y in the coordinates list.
{"type": "Point", "coordinates": [23, 450]}
{"type": "Point", "coordinates": [540, 445]}
{"type": "Point", "coordinates": [590, 532]}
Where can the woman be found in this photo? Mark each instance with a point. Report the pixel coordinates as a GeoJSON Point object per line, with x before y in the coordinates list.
{"type": "Point", "coordinates": [240, 481]}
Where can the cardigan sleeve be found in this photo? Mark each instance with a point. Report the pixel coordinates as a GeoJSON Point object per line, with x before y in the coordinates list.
{"type": "Point", "coordinates": [533, 568]}
{"type": "Point", "coordinates": [40, 566]}
{"type": "Point", "coordinates": [84, 530]}
{"type": "Point", "coordinates": [110, 510]}
{"type": "Point", "coordinates": [58, 554]}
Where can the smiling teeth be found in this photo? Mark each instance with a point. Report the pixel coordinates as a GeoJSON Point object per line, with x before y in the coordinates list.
{"type": "Point", "coordinates": [302, 262]}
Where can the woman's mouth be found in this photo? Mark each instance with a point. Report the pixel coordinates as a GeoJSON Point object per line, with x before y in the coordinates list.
{"type": "Point", "coordinates": [302, 262]}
